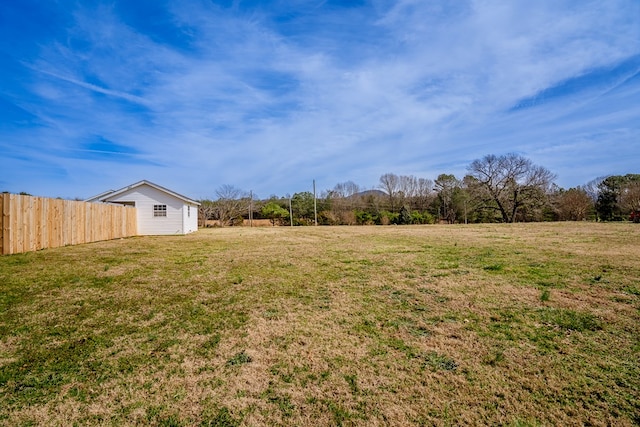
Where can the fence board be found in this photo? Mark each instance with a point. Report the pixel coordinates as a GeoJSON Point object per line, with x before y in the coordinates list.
{"type": "Point", "coordinates": [32, 223]}
{"type": "Point", "coordinates": [4, 235]}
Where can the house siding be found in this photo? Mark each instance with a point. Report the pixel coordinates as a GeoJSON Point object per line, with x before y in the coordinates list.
{"type": "Point", "coordinates": [190, 218]}
{"type": "Point", "coordinates": [145, 197]}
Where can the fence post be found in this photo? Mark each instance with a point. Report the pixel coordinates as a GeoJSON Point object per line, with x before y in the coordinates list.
{"type": "Point", "coordinates": [2, 223]}
{"type": "Point", "coordinates": [6, 220]}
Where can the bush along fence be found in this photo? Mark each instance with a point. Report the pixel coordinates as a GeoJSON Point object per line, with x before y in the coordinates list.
{"type": "Point", "coordinates": [33, 223]}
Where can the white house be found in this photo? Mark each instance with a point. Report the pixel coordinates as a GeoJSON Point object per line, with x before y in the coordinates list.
{"type": "Point", "coordinates": [160, 211]}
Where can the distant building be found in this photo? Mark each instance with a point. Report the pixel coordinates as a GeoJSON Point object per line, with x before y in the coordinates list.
{"type": "Point", "coordinates": [160, 211]}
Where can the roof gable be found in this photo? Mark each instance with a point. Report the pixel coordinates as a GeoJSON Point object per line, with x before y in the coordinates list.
{"type": "Point", "coordinates": [98, 197]}
{"type": "Point", "coordinates": [104, 197]}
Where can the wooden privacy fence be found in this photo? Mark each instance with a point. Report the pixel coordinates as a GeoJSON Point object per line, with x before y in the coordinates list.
{"type": "Point", "coordinates": [32, 223]}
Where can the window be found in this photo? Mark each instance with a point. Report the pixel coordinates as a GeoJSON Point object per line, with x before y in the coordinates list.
{"type": "Point", "coordinates": [159, 210]}
{"type": "Point", "coordinates": [188, 211]}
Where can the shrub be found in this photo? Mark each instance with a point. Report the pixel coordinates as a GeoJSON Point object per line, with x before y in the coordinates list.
{"type": "Point", "coordinates": [387, 218]}
{"type": "Point", "coordinates": [364, 218]}
{"type": "Point", "coordinates": [422, 218]}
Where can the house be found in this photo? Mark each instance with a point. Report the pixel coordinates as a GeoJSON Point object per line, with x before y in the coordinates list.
{"type": "Point", "coordinates": [159, 210]}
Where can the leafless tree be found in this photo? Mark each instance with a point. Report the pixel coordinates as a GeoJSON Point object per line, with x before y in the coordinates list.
{"type": "Point", "coordinates": [446, 186]}
{"type": "Point", "coordinates": [573, 204]}
{"type": "Point", "coordinates": [424, 194]}
{"type": "Point", "coordinates": [390, 184]}
{"type": "Point", "coordinates": [510, 182]}
{"type": "Point", "coordinates": [232, 203]}
{"type": "Point", "coordinates": [345, 189]}
{"type": "Point", "coordinates": [342, 200]}
{"type": "Point", "coordinates": [630, 197]}
{"type": "Point", "coordinates": [206, 210]}
{"type": "Point", "coordinates": [592, 189]}
{"type": "Point", "coordinates": [408, 185]}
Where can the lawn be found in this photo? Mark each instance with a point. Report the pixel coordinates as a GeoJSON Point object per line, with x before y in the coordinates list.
{"type": "Point", "coordinates": [517, 325]}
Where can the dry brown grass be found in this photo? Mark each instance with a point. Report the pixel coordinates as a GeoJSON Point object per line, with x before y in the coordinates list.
{"type": "Point", "coordinates": [527, 324]}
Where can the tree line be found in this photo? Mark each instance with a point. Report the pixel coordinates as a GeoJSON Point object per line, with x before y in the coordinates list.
{"type": "Point", "coordinates": [507, 188]}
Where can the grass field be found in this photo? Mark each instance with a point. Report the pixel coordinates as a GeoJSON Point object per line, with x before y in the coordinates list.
{"type": "Point", "coordinates": [517, 325]}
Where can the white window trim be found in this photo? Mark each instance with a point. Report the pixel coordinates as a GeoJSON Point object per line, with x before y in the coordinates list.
{"type": "Point", "coordinates": [159, 211]}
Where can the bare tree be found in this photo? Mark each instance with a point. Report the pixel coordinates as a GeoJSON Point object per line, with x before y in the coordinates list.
{"type": "Point", "coordinates": [573, 204]}
{"type": "Point", "coordinates": [206, 211]}
{"type": "Point", "coordinates": [390, 184]}
{"type": "Point", "coordinates": [510, 182]}
{"type": "Point", "coordinates": [630, 197]}
{"type": "Point", "coordinates": [592, 188]}
{"type": "Point", "coordinates": [447, 185]}
{"type": "Point", "coordinates": [407, 187]}
{"type": "Point", "coordinates": [345, 189]}
{"type": "Point", "coordinates": [424, 194]}
{"type": "Point", "coordinates": [232, 203]}
{"type": "Point", "coordinates": [343, 200]}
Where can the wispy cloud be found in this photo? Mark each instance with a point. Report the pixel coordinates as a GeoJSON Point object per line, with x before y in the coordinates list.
{"type": "Point", "coordinates": [95, 88]}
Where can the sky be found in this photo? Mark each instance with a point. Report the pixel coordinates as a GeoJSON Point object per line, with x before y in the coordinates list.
{"type": "Point", "coordinates": [268, 96]}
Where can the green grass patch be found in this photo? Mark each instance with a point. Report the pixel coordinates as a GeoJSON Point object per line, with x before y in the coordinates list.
{"type": "Point", "coordinates": [240, 358]}
{"type": "Point", "coordinates": [545, 295]}
{"type": "Point", "coordinates": [570, 320]}
{"type": "Point", "coordinates": [220, 418]}
{"type": "Point", "coordinates": [438, 362]}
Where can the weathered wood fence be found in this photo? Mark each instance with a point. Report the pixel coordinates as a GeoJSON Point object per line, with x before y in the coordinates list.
{"type": "Point", "coordinates": [31, 223]}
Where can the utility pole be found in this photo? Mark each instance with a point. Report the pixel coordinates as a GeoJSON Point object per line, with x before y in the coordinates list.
{"type": "Point", "coordinates": [290, 212]}
{"type": "Point", "coordinates": [465, 211]}
{"type": "Point", "coordinates": [315, 205]}
{"type": "Point", "coordinates": [251, 208]}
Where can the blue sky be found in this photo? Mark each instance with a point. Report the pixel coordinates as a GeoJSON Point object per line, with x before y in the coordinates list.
{"type": "Point", "coordinates": [270, 95]}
